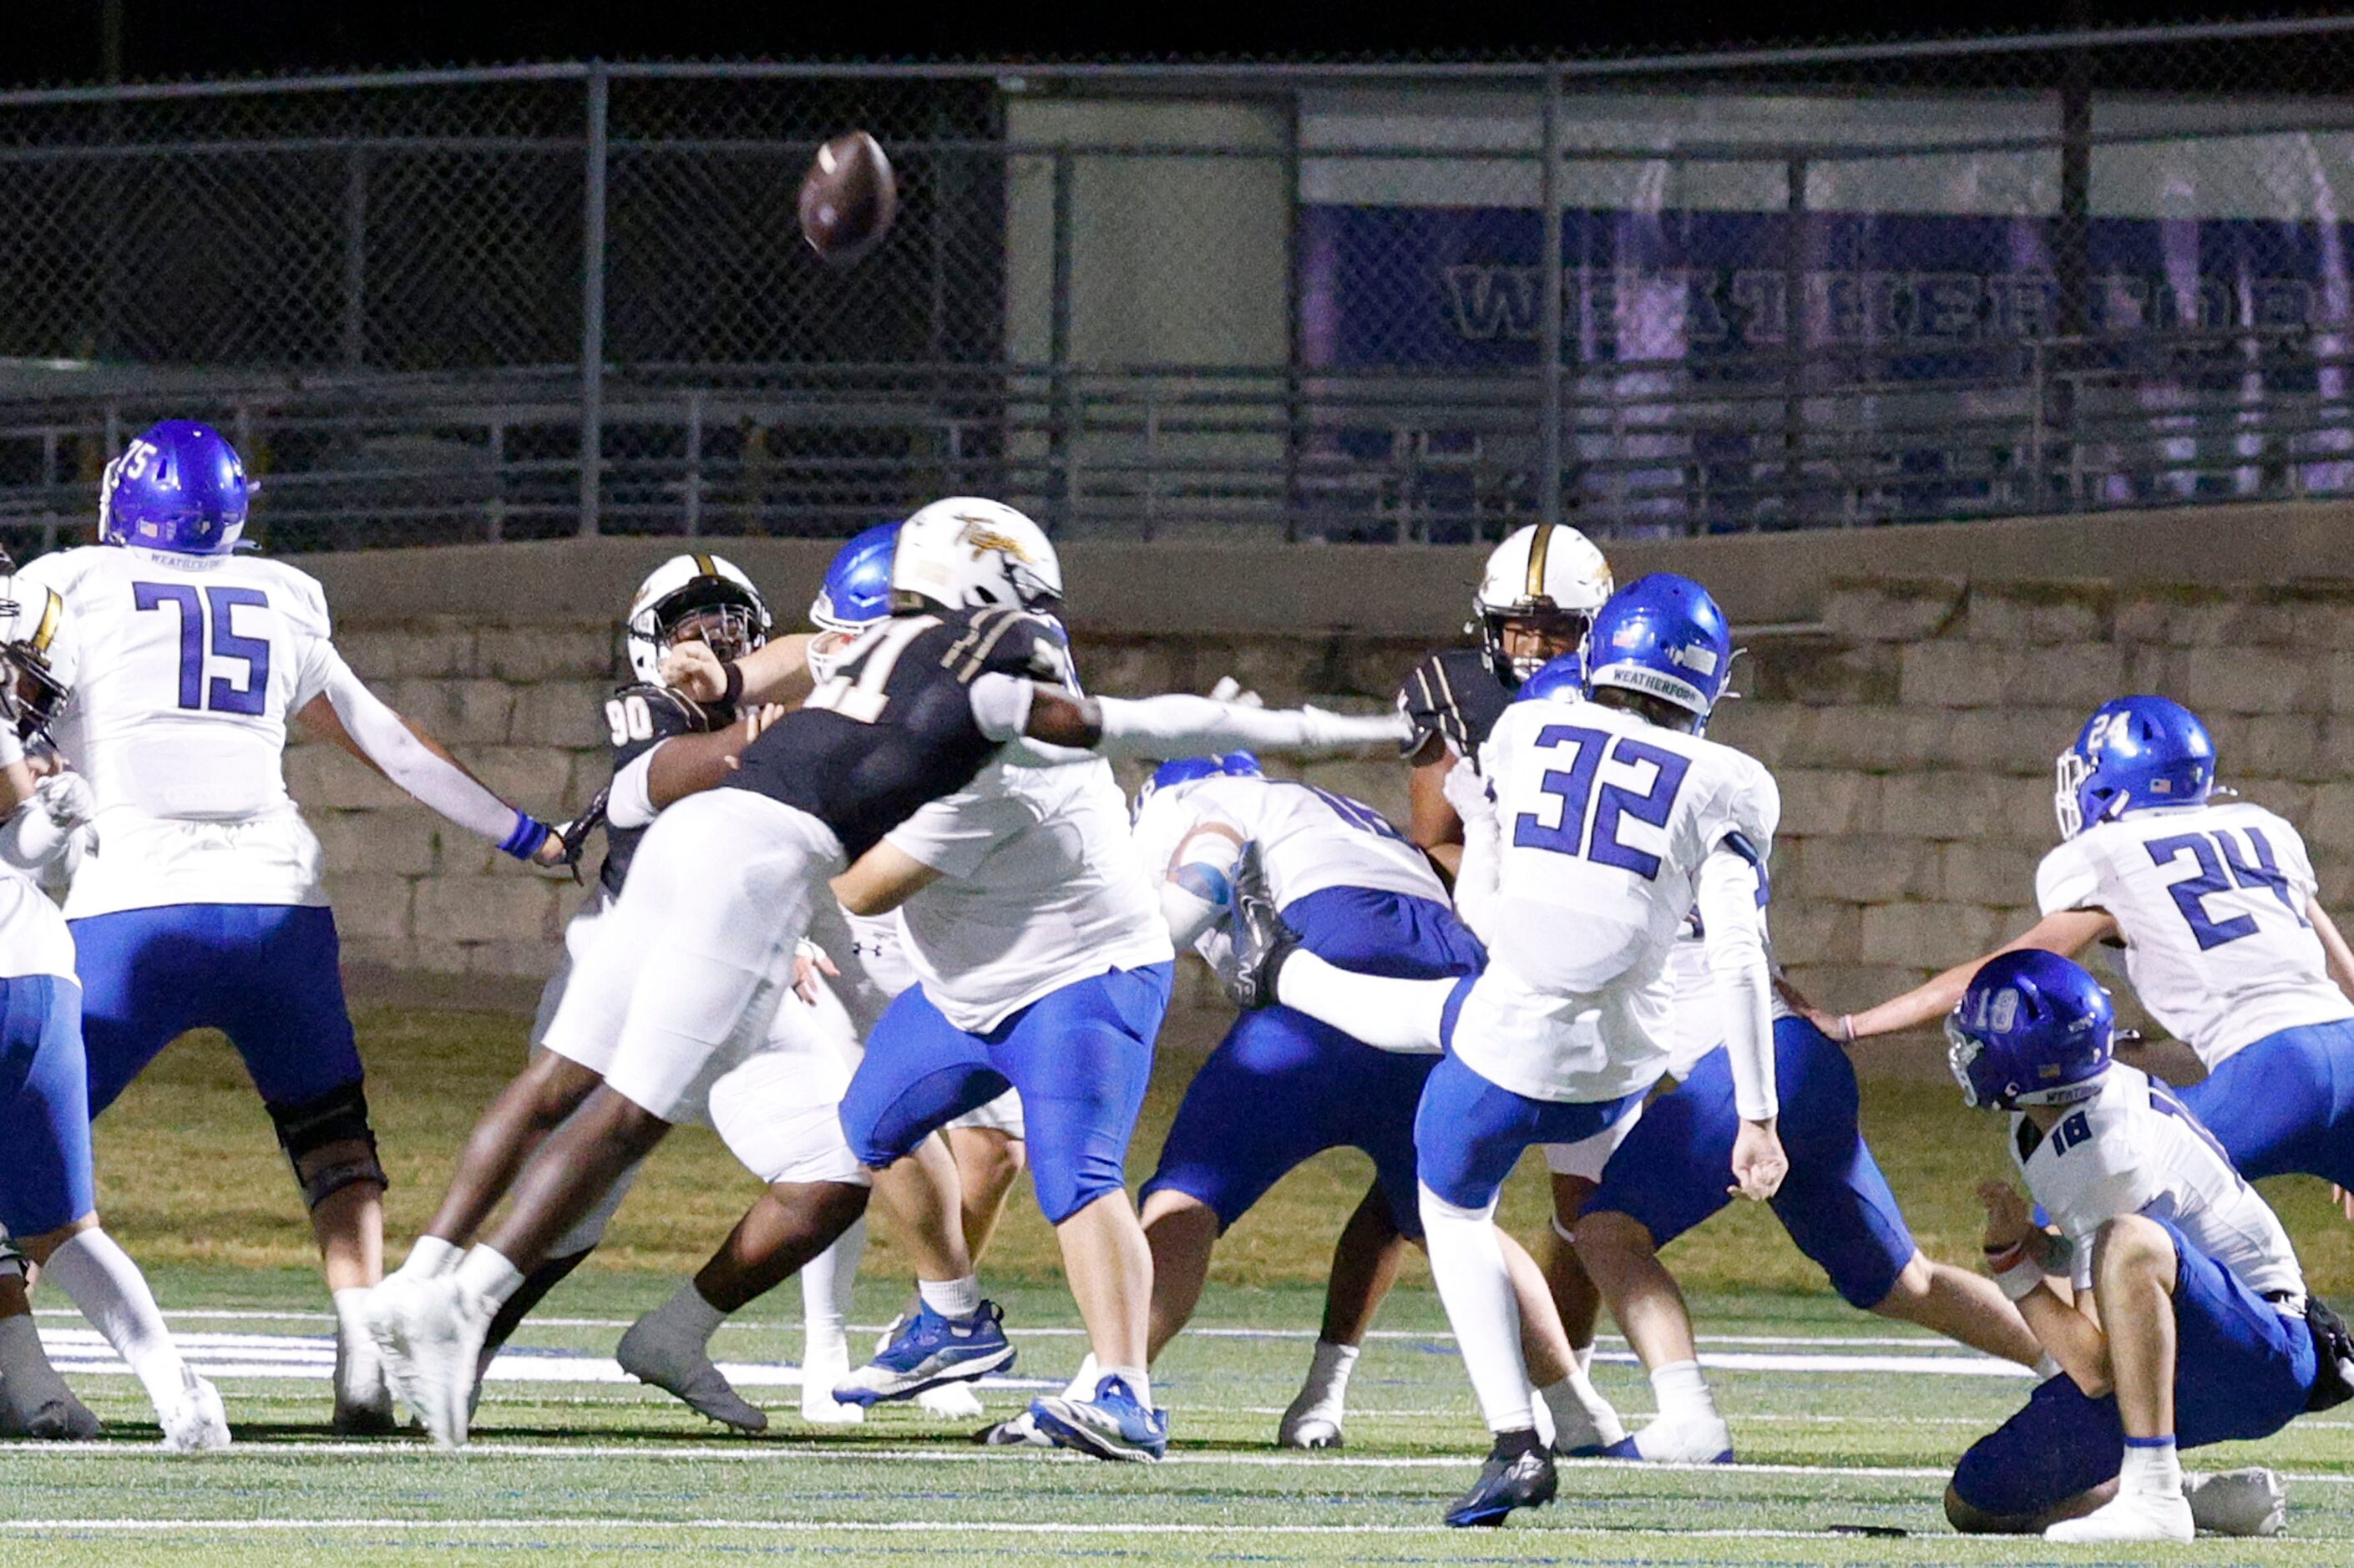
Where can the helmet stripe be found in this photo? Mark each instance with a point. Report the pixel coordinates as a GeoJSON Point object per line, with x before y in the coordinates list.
{"type": "Point", "coordinates": [49, 627]}
{"type": "Point", "coordinates": [1538, 547]}
{"type": "Point", "coordinates": [703, 567]}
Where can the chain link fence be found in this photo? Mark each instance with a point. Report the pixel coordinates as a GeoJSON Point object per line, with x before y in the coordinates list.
{"type": "Point", "coordinates": [1841, 286]}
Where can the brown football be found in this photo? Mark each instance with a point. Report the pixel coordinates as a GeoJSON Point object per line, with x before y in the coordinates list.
{"type": "Point", "coordinates": [848, 198]}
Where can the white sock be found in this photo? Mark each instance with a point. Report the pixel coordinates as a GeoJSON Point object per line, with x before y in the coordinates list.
{"type": "Point", "coordinates": [1327, 1373]}
{"type": "Point", "coordinates": [1682, 1393]}
{"type": "Point", "coordinates": [1467, 1262]}
{"type": "Point", "coordinates": [1083, 1382]}
{"type": "Point", "coordinates": [431, 1257]}
{"type": "Point", "coordinates": [1140, 1382]}
{"type": "Point", "coordinates": [826, 1283]}
{"type": "Point", "coordinates": [952, 1298]}
{"type": "Point", "coordinates": [685, 1319]}
{"type": "Point", "coordinates": [2152, 1469]}
{"type": "Point", "coordinates": [1583, 1356]}
{"type": "Point", "coordinates": [1387, 1015]}
{"type": "Point", "coordinates": [485, 1273]}
{"type": "Point", "coordinates": [588, 1229]}
{"type": "Point", "coordinates": [112, 1294]}
{"type": "Point", "coordinates": [351, 1323]}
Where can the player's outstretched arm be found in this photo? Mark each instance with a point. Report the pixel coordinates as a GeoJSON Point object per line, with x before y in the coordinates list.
{"type": "Point", "coordinates": [2067, 933]}
{"type": "Point", "coordinates": [776, 672]}
{"type": "Point", "coordinates": [2334, 949]}
{"type": "Point", "coordinates": [680, 765]}
{"type": "Point", "coordinates": [1171, 725]}
{"type": "Point", "coordinates": [884, 878]}
{"type": "Point", "coordinates": [357, 719]}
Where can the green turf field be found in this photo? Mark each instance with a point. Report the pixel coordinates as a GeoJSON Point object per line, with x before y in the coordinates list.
{"type": "Point", "coordinates": [1841, 1419]}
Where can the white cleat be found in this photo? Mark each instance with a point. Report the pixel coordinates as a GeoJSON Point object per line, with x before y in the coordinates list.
{"type": "Point", "coordinates": [951, 1402]}
{"type": "Point", "coordinates": [2129, 1519]}
{"type": "Point", "coordinates": [1311, 1422]}
{"type": "Point", "coordinates": [196, 1423]}
{"type": "Point", "coordinates": [436, 1334]}
{"type": "Point", "coordinates": [1592, 1428]}
{"type": "Point", "coordinates": [363, 1392]}
{"type": "Point", "coordinates": [388, 1304]}
{"type": "Point", "coordinates": [1708, 1442]}
{"type": "Point", "coordinates": [821, 1368]}
{"type": "Point", "coordinates": [2238, 1503]}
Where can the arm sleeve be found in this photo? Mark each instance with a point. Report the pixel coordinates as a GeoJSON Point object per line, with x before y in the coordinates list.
{"type": "Point", "coordinates": [1177, 726]}
{"type": "Point", "coordinates": [30, 838]}
{"type": "Point", "coordinates": [378, 731]}
{"type": "Point", "coordinates": [1734, 936]}
{"type": "Point", "coordinates": [1477, 877]}
{"type": "Point", "coordinates": [630, 802]}
{"type": "Point", "coordinates": [2067, 879]}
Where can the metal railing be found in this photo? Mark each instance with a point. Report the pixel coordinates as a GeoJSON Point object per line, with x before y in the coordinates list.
{"type": "Point", "coordinates": [1403, 302]}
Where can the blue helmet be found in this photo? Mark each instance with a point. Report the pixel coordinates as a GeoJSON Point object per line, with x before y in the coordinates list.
{"type": "Point", "coordinates": [2134, 752]}
{"type": "Point", "coordinates": [857, 589]}
{"type": "Point", "coordinates": [1185, 769]}
{"type": "Point", "coordinates": [2031, 1030]}
{"type": "Point", "coordinates": [1562, 676]}
{"type": "Point", "coordinates": [179, 487]}
{"type": "Point", "coordinates": [1663, 636]}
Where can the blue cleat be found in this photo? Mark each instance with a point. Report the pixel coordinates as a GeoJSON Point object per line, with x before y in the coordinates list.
{"type": "Point", "coordinates": [929, 1350]}
{"type": "Point", "coordinates": [1111, 1425]}
{"type": "Point", "coordinates": [1518, 1474]}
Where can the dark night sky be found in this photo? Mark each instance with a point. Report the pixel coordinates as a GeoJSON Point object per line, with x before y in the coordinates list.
{"type": "Point", "coordinates": [167, 38]}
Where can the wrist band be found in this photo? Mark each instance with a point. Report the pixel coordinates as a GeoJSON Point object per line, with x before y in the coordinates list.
{"type": "Point", "coordinates": [2022, 1279]}
{"type": "Point", "coordinates": [733, 693]}
{"type": "Point", "coordinates": [1846, 1028]}
{"type": "Point", "coordinates": [529, 833]}
{"type": "Point", "coordinates": [1998, 1258]}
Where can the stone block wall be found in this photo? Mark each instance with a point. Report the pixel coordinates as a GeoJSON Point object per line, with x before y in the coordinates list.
{"type": "Point", "coordinates": [1912, 732]}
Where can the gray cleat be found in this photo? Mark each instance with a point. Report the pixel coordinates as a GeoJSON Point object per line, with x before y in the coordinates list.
{"type": "Point", "coordinates": [691, 1376]}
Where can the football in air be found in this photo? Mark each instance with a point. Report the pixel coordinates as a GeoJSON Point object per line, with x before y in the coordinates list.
{"type": "Point", "coordinates": [848, 198]}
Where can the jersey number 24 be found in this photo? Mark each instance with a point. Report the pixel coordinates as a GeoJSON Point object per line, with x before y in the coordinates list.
{"type": "Point", "coordinates": [1590, 819]}
{"type": "Point", "coordinates": [2220, 873]}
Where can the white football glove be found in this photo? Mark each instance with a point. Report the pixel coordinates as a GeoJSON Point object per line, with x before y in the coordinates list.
{"type": "Point", "coordinates": [1468, 791]}
{"type": "Point", "coordinates": [67, 798]}
{"type": "Point", "coordinates": [1229, 689]}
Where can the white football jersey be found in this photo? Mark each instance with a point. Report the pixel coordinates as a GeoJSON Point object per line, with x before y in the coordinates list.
{"type": "Point", "coordinates": [2210, 901]}
{"type": "Point", "coordinates": [1309, 839]}
{"type": "Point", "coordinates": [2134, 1148]}
{"type": "Point", "coordinates": [184, 670]}
{"type": "Point", "coordinates": [1040, 889]}
{"type": "Point", "coordinates": [1604, 820]}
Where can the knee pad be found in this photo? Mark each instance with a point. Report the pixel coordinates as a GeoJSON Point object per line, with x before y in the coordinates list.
{"type": "Point", "coordinates": [306, 1126]}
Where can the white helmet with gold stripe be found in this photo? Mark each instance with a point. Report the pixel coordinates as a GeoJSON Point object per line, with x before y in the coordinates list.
{"type": "Point", "coordinates": [967, 553]}
{"type": "Point", "coordinates": [1547, 574]}
{"type": "Point", "coordinates": [702, 595]}
{"type": "Point", "coordinates": [32, 619]}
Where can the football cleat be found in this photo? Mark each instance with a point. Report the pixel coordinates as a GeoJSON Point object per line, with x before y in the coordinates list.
{"type": "Point", "coordinates": [2238, 1503]}
{"type": "Point", "coordinates": [1112, 1426]}
{"type": "Point", "coordinates": [1262, 941]}
{"type": "Point", "coordinates": [823, 1366]}
{"type": "Point", "coordinates": [431, 1333]}
{"type": "Point", "coordinates": [1311, 1421]}
{"type": "Point", "coordinates": [686, 1373]}
{"type": "Point", "coordinates": [2130, 1519]}
{"type": "Point", "coordinates": [1021, 1432]}
{"type": "Point", "coordinates": [363, 1392]}
{"type": "Point", "coordinates": [196, 1423]}
{"type": "Point", "coordinates": [931, 1350]}
{"type": "Point", "coordinates": [951, 1402]}
{"type": "Point", "coordinates": [1518, 1473]}
{"type": "Point", "coordinates": [1588, 1427]}
{"type": "Point", "coordinates": [34, 1399]}
{"type": "Point", "coordinates": [1677, 1443]}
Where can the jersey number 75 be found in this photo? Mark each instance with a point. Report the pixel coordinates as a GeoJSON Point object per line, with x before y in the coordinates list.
{"type": "Point", "coordinates": [221, 694]}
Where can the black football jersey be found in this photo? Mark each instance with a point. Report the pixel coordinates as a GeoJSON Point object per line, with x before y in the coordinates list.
{"type": "Point", "coordinates": [894, 730]}
{"type": "Point", "coordinates": [637, 719]}
{"type": "Point", "coordinates": [1453, 694]}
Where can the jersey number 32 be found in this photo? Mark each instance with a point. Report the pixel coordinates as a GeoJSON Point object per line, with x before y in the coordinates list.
{"type": "Point", "coordinates": [1590, 819]}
